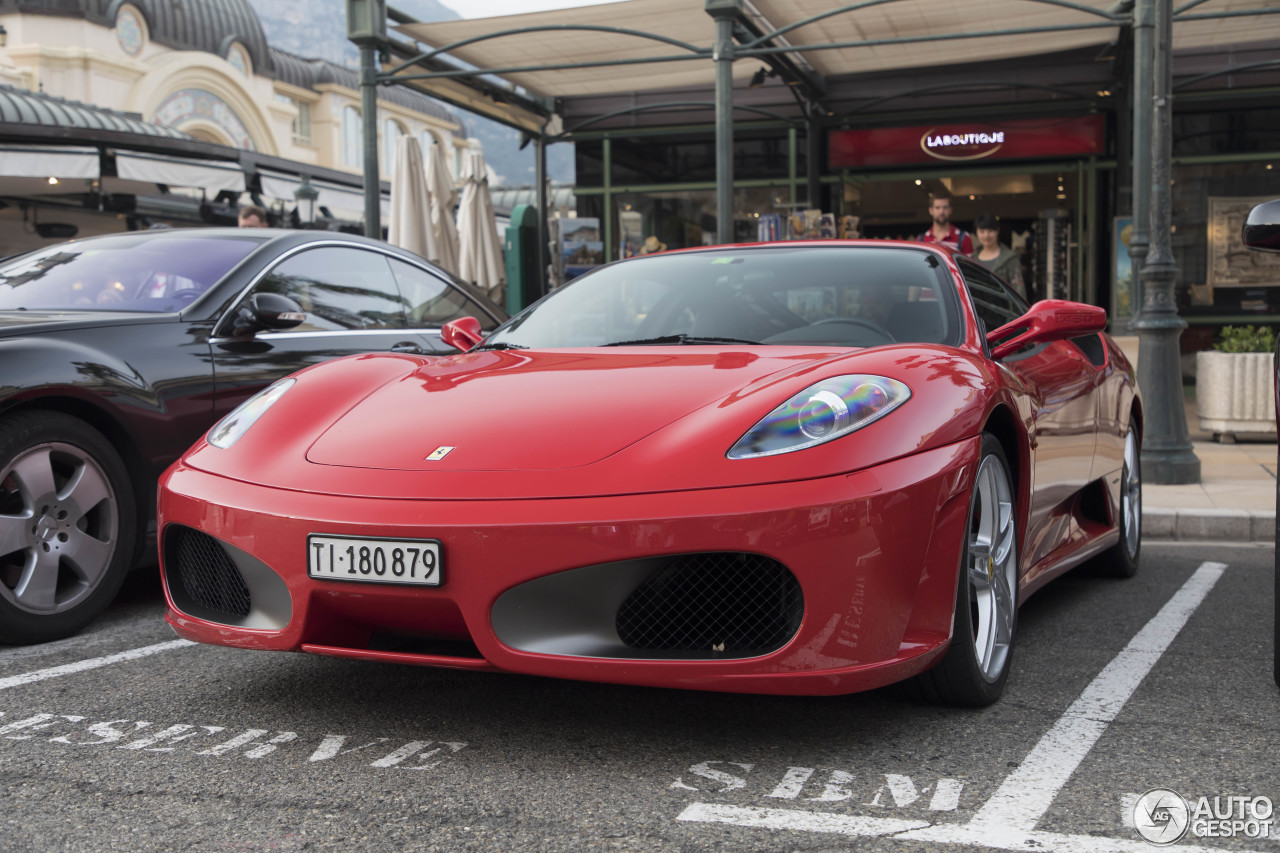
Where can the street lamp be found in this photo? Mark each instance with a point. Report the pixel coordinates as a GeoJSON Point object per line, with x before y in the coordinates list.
{"type": "Point", "coordinates": [308, 193]}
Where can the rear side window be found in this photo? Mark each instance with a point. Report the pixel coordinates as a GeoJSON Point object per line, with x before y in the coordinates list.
{"type": "Point", "coordinates": [340, 289]}
{"type": "Point", "coordinates": [432, 301]}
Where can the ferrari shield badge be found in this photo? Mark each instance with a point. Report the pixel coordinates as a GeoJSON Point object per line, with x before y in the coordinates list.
{"type": "Point", "coordinates": [439, 453]}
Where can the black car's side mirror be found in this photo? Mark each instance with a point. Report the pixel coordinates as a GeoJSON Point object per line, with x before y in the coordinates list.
{"type": "Point", "coordinates": [1262, 229]}
{"type": "Point", "coordinates": [267, 311]}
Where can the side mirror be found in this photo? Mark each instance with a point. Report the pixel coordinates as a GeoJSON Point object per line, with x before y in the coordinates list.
{"type": "Point", "coordinates": [268, 311]}
{"type": "Point", "coordinates": [1262, 229]}
{"type": "Point", "coordinates": [462, 333]}
{"type": "Point", "coordinates": [1048, 320]}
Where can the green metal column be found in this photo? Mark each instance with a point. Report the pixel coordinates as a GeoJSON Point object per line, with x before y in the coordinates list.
{"type": "Point", "coordinates": [725, 12]}
{"type": "Point", "coordinates": [1091, 231]}
{"type": "Point", "coordinates": [606, 215]}
{"type": "Point", "coordinates": [367, 28]}
{"type": "Point", "coordinates": [1167, 457]}
{"type": "Point", "coordinates": [1143, 68]}
{"type": "Point", "coordinates": [791, 164]}
{"type": "Point", "coordinates": [540, 175]}
{"type": "Point", "coordinates": [369, 108]}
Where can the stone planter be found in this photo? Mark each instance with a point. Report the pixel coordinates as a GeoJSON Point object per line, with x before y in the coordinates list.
{"type": "Point", "coordinates": [1235, 394]}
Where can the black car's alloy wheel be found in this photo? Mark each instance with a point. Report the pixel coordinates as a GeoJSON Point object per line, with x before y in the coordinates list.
{"type": "Point", "coordinates": [67, 525]}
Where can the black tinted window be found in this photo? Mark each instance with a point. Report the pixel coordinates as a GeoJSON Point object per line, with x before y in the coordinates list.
{"type": "Point", "coordinates": [339, 288]}
{"type": "Point", "coordinates": [133, 272]}
{"type": "Point", "coordinates": [994, 303]}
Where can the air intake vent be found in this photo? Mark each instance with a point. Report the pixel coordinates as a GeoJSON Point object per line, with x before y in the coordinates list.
{"type": "Point", "coordinates": [207, 575]}
{"type": "Point", "coordinates": [733, 604]}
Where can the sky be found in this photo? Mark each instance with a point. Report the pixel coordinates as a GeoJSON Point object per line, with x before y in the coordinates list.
{"type": "Point", "coordinates": [494, 8]}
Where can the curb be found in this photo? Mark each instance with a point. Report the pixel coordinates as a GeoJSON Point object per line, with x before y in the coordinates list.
{"type": "Point", "coordinates": [1231, 525]}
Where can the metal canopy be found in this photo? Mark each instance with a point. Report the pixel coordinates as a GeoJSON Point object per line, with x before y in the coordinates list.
{"type": "Point", "coordinates": [875, 34]}
{"type": "Point", "coordinates": [669, 55]}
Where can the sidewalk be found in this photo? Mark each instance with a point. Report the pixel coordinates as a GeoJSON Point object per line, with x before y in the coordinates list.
{"type": "Point", "coordinates": [1234, 501]}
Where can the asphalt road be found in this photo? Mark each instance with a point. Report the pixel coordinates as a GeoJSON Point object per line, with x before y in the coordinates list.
{"type": "Point", "coordinates": [124, 739]}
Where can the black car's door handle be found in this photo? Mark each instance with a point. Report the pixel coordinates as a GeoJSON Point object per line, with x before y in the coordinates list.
{"type": "Point", "coordinates": [406, 346]}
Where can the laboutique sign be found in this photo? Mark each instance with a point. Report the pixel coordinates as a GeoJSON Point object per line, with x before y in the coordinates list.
{"type": "Point", "coordinates": [967, 142]}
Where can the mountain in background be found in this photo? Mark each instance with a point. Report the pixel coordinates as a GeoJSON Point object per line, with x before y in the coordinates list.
{"type": "Point", "coordinates": [317, 29]}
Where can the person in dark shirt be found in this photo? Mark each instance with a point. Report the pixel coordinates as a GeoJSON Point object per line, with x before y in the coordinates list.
{"type": "Point", "coordinates": [995, 256]}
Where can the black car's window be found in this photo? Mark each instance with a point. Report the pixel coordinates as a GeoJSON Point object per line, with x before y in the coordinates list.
{"type": "Point", "coordinates": [842, 296]}
{"type": "Point", "coordinates": [150, 271]}
{"type": "Point", "coordinates": [339, 288]}
{"type": "Point", "coordinates": [432, 301]}
{"type": "Point", "coordinates": [994, 303]}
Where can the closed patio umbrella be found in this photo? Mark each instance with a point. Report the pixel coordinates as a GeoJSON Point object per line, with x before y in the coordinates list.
{"type": "Point", "coordinates": [480, 251]}
{"type": "Point", "coordinates": [444, 233]}
{"type": "Point", "coordinates": [409, 222]}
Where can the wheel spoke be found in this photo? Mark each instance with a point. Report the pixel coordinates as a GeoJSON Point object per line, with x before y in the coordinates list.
{"type": "Point", "coordinates": [978, 575]}
{"type": "Point", "coordinates": [15, 533]}
{"type": "Point", "coordinates": [34, 473]}
{"type": "Point", "coordinates": [38, 587]}
{"type": "Point", "coordinates": [1004, 608]}
{"type": "Point", "coordinates": [87, 556]}
{"type": "Point", "coordinates": [85, 490]}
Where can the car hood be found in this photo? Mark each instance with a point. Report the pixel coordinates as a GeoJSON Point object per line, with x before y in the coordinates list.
{"type": "Point", "coordinates": [510, 411]}
{"type": "Point", "coordinates": [587, 422]}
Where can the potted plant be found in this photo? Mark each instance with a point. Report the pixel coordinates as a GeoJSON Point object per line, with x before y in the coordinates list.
{"type": "Point", "coordinates": [1235, 394]}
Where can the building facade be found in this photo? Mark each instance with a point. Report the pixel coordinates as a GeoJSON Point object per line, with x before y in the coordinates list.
{"type": "Point", "coordinates": [202, 69]}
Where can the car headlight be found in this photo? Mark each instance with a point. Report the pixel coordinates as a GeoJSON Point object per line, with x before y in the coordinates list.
{"type": "Point", "coordinates": [821, 412]}
{"type": "Point", "coordinates": [227, 431]}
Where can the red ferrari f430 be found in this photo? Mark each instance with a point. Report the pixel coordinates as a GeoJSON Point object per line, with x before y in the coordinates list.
{"type": "Point", "coordinates": [789, 468]}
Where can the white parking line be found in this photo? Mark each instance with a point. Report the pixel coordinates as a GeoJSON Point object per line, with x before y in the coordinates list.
{"type": "Point", "coordinates": [1007, 820]}
{"type": "Point", "coordinates": [1028, 792]}
{"type": "Point", "coordinates": [91, 663]}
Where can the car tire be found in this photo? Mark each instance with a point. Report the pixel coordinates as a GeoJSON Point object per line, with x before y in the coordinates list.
{"type": "Point", "coordinates": [67, 525]}
{"type": "Point", "coordinates": [1121, 559]}
{"type": "Point", "coordinates": [975, 667]}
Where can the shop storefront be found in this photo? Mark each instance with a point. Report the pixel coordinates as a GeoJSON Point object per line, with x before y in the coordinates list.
{"type": "Point", "coordinates": [1041, 177]}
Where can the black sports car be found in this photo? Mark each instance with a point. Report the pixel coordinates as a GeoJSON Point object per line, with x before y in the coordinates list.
{"type": "Point", "coordinates": [118, 352]}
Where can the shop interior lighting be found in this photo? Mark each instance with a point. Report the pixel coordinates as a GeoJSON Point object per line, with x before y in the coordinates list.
{"type": "Point", "coordinates": [53, 182]}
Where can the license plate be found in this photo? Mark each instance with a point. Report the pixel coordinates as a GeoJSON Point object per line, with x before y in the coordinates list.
{"type": "Point", "coordinates": [370, 560]}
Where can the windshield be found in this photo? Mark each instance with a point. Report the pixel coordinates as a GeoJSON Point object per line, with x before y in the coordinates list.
{"type": "Point", "coordinates": [847, 296]}
{"type": "Point", "coordinates": [131, 272]}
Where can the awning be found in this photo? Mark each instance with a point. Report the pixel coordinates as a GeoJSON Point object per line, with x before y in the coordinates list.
{"type": "Point", "coordinates": [29, 169]}
{"type": "Point", "coordinates": [212, 176]}
{"type": "Point", "coordinates": [342, 201]}
{"type": "Point", "coordinates": [902, 34]}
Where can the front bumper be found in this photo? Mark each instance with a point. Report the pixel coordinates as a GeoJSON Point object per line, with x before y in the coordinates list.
{"type": "Point", "coordinates": [875, 554]}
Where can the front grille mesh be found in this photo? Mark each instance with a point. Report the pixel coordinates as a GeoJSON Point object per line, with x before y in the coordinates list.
{"type": "Point", "coordinates": [717, 603]}
{"type": "Point", "coordinates": [208, 576]}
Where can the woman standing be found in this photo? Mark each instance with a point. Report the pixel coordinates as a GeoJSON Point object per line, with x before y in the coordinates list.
{"type": "Point", "coordinates": [1000, 259]}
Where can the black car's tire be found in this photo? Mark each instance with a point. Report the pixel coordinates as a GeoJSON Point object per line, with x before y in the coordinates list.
{"type": "Point", "coordinates": [975, 666]}
{"type": "Point", "coordinates": [1121, 559]}
{"type": "Point", "coordinates": [67, 525]}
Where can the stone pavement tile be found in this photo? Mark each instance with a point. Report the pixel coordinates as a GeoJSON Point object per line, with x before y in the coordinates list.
{"type": "Point", "coordinates": [1235, 471]}
{"type": "Point", "coordinates": [1176, 497]}
{"type": "Point", "coordinates": [1247, 503]}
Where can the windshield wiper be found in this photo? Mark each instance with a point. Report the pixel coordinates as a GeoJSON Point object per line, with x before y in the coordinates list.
{"type": "Point", "coordinates": [498, 345]}
{"type": "Point", "coordinates": [681, 339]}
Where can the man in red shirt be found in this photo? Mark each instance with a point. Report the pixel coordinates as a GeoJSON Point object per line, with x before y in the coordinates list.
{"type": "Point", "coordinates": [943, 231]}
